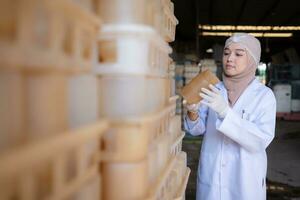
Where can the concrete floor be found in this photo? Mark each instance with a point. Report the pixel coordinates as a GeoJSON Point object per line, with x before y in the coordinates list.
{"type": "Point", "coordinates": [283, 176]}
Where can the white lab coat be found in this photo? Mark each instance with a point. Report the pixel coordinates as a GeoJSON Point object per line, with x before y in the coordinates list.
{"type": "Point", "coordinates": [233, 160]}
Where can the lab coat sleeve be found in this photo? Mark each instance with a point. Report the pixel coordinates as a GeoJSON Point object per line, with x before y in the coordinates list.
{"type": "Point", "coordinates": [197, 127]}
{"type": "Point", "coordinates": [255, 135]}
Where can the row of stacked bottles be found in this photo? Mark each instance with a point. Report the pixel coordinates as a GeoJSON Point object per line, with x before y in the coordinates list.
{"type": "Point", "coordinates": [87, 105]}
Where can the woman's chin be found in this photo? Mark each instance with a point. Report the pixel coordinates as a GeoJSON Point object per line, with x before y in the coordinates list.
{"type": "Point", "coordinates": [229, 73]}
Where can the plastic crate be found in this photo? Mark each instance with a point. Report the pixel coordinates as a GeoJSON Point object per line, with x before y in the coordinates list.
{"type": "Point", "coordinates": [161, 152]}
{"type": "Point", "coordinates": [136, 144]}
{"type": "Point", "coordinates": [172, 180]}
{"type": "Point", "coordinates": [129, 96]}
{"type": "Point", "coordinates": [11, 112]}
{"type": "Point", "coordinates": [159, 157]}
{"type": "Point", "coordinates": [33, 106]}
{"type": "Point", "coordinates": [131, 139]}
{"type": "Point", "coordinates": [170, 183]}
{"type": "Point", "coordinates": [181, 164]}
{"type": "Point", "coordinates": [47, 35]}
{"type": "Point", "coordinates": [172, 101]}
{"type": "Point", "coordinates": [124, 11]}
{"type": "Point", "coordinates": [83, 100]}
{"type": "Point", "coordinates": [90, 5]}
{"type": "Point", "coordinates": [169, 21]}
{"type": "Point", "coordinates": [175, 126]}
{"type": "Point", "coordinates": [142, 12]}
{"type": "Point", "coordinates": [158, 189]}
{"type": "Point", "coordinates": [180, 195]}
{"type": "Point", "coordinates": [122, 181]}
{"type": "Point", "coordinates": [116, 175]}
{"type": "Point", "coordinates": [132, 49]}
{"type": "Point", "coordinates": [168, 4]}
{"type": "Point", "coordinates": [56, 168]}
{"type": "Point", "coordinates": [179, 176]}
{"type": "Point", "coordinates": [177, 145]}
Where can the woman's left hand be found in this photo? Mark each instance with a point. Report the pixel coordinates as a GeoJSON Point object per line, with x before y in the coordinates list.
{"type": "Point", "coordinates": [214, 99]}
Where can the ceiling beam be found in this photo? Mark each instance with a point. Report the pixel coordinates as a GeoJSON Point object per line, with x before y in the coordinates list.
{"type": "Point", "coordinates": [242, 9]}
{"type": "Point", "coordinates": [211, 10]}
{"type": "Point", "coordinates": [268, 12]}
{"type": "Point", "coordinates": [291, 18]}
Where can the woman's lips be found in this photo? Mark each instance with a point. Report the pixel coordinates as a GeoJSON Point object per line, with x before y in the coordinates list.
{"type": "Point", "coordinates": [229, 66]}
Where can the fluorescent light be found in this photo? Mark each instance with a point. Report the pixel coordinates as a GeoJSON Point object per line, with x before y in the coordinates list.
{"type": "Point", "coordinates": [278, 35]}
{"type": "Point", "coordinates": [257, 34]}
{"type": "Point", "coordinates": [216, 33]}
{"type": "Point", "coordinates": [254, 28]}
{"type": "Point", "coordinates": [286, 28]}
{"type": "Point", "coordinates": [248, 28]}
{"type": "Point", "coordinates": [227, 34]}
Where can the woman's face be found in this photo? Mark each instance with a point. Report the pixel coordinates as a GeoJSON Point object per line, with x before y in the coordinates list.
{"type": "Point", "coordinates": [235, 59]}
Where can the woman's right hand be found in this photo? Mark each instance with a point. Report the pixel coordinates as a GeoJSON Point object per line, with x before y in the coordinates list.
{"type": "Point", "coordinates": [192, 110]}
{"type": "Point", "coordinates": [193, 107]}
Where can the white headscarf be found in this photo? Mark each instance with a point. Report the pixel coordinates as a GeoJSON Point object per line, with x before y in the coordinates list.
{"type": "Point", "coordinates": [249, 42]}
{"type": "Point", "coordinates": [235, 85]}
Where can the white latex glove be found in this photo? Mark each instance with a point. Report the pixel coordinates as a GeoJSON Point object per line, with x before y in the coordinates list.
{"type": "Point", "coordinates": [191, 107]}
{"type": "Point", "coordinates": [214, 99]}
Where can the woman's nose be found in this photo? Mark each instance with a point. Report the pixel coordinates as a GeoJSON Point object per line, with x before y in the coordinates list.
{"type": "Point", "coordinates": [230, 57]}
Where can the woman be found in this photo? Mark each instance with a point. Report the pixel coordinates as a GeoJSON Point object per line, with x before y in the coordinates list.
{"type": "Point", "coordinates": [237, 118]}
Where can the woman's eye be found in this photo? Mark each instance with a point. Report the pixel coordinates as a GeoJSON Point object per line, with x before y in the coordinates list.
{"type": "Point", "coordinates": [226, 53]}
{"type": "Point", "coordinates": [238, 54]}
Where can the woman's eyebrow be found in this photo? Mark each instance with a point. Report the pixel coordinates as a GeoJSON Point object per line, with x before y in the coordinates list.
{"type": "Point", "coordinates": [234, 49]}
